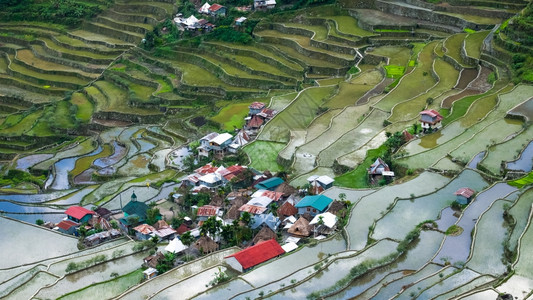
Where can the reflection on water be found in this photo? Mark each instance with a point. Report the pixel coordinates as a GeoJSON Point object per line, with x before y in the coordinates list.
{"type": "Point", "coordinates": [525, 162]}
{"type": "Point", "coordinates": [473, 163]}
{"type": "Point", "coordinates": [430, 141]}
{"type": "Point", "coordinates": [31, 160]}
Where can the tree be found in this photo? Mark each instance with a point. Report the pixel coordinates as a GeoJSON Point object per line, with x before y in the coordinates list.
{"type": "Point", "coordinates": [211, 226]}
{"type": "Point", "coordinates": [39, 222]}
{"type": "Point", "coordinates": [187, 238]}
{"type": "Point", "coordinates": [167, 263]}
{"type": "Point", "coordinates": [114, 224]}
{"type": "Point", "coordinates": [342, 196]}
{"type": "Point", "coordinates": [152, 214]}
{"type": "Point", "coordinates": [176, 222]}
{"type": "Point", "coordinates": [246, 218]}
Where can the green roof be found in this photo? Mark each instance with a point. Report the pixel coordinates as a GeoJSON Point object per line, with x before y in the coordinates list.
{"type": "Point", "coordinates": [269, 183]}
{"type": "Point", "coordinates": [320, 202]}
{"type": "Point", "coordinates": [136, 208]}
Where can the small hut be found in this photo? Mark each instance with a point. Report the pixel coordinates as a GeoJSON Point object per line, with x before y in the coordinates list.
{"type": "Point", "coordinates": [161, 224]}
{"type": "Point", "coordinates": [337, 208]}
{"type": "Point", "coordinates": [206, 245]}
{"type": "Point", "coordinates": [286, 210]}
{"type": "Point", "coordinates": [233, 212]}
{"type": "Point", "coordinates": [300, 228]}
{"type": "Point", "coordinates": [286, 189]}
{"type": "Point", "coordinates": [217, 201]}
{"type": "Point", "coordinates": [264, 234]}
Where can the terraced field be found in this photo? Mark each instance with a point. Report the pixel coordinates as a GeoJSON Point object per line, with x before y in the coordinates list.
{"type": "Point", "coordinates": [343, 80]}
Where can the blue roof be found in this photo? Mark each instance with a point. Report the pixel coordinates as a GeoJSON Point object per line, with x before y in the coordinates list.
{"type": "Point", "coordinates": [320, 202]}
{"type": "Point", "coordinates": [268, 219]}
{"type": "Point", "coordinates": [269, 183]}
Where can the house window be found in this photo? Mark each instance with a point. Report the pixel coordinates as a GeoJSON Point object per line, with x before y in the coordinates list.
{"type": "Point", "coordinates": [309, 209]}
{"type": "Point", "coordinates": [314, 210]}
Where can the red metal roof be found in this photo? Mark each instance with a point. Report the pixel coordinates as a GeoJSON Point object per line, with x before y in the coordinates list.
{"type": "Point", "coordinates": [78, 212]}
{"type": "Point", "coordinates": [215, 7]}
{"type": "Point", "coordinates": [66, 224]}
{"type": "Point", "coordinates": [465, 192]}
{"type": "Point", "coordinates": [253, 209]}
{"type": "Point", "coordinates": [433, 114]}
{"type": "Point", "coordinates": [207, 169]}
{"type": "Point", "coordinates": [255, 122]}
{"type": "Point", "coordinates": [275, 196]}
{"type": "Point", "coordinates": [207, 211]}
{"type": "Point", "coordinates": [267, 113]}
{"type": "Point", "coordinates": [257, 254]}
{"type": "Point", "coordinates": [182, 229]}
{"type": "Point", "coordinates": [144, 229]}
{"type": "Point", "coordinates": [257, 105]}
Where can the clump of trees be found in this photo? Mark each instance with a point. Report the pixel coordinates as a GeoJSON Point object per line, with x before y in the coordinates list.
{"type": "Point", "coordinates": [66, 12]}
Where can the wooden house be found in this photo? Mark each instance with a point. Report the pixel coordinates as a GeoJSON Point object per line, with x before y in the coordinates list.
{"type": "Point", "coordinates": [253, 256]}
{"type": "Point", "coordinates": [430, 120]}
{"type": "Point", "coordinates": [464, 195]}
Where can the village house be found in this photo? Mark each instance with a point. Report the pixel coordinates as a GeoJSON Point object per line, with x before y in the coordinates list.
{"type": "Point", "coordinates": [207, 211]}
{"type": "Point", "coordinates": [324, 181]}
{"type": "Point", "coordinates": [464, 195]}
{"type": "Point", "coordinates": [205, 147]}
{"type": "Point", "coordinates": [175, 246]}
{"type": "Point", "coordinates": [313, 204]}
{"type": "Point", "coordinates": [299, 228]}
{"type": "Point", "coordinates": [287, 210]}
{"type": "Point", "coordinates": [217, 10]}
{"type": "Point", "coordinates": [246, 259]}
{"type": "Point", "coordinates": [67, 227]}
{"type": "Point", "coordinates": [149, 273]}
{"type": "Point", "coordinates": [101, 237]}
{"type": "Point", "coordinates": [269, 184]}
{"type": "Point", "coordinates": [143, 232]}
{"type": "Point", "coordinates": [430, 119]}
{"type": "Point", "coordinates": [79, 214]}
{"type": "Point", "coordinates": [252, 209]}
{"type": "Point", "coordinates": [254, 123]}
{"type": "Point", "coordinates": [268, 220]}
{"type": "Point", "coordinates": [163, 231]}
{"type": "Point", "coordinates": [152, 260]}
{"type": "Point", "coordinates": [329, 223]}
{"type": "Point", "coordinates": [210, 181]}
{"type": "Point", "coordinates": [240, 21]}
{"type": "Point", "coordinates": [206, 245]}
{"type": "Point", "coordinates": [378, 170]}
{"type": "Point", "coordinates": [239, 141]}
{"type": "Point", "coordinates": [264, 4]}
{"type": "Point", "coordinates": [220, 143]}
{"type": "Point", "coordinates": [265, 234]}
{"type": "Point", "coordinates": [256, 108]}
{"type": "Point", "coordinates": [134, 213]}
{"type": "Point", "coordinates": [204, 9]}
{"type": "Point", "coordinates": [267, 114]}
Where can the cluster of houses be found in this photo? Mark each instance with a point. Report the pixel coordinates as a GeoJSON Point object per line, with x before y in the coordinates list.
{"type": "Point", "coordinates": [258, 115]}
{"type": "Point", "coordinates": [96, 223]}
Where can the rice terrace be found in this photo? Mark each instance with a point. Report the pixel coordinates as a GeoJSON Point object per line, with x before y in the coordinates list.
{"type": "Point", "coordinates": [266, 149]}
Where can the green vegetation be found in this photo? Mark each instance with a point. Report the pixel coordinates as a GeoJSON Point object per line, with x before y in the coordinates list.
{"type": "Point", "coordinates": [84, 163]}
{"type": "Point", "coordinates": [454, 230]}
{"type": "Point", "coordinates": [232, 116]}
{"type": "Point", "coordinates": [109, 288]}
{"type": "Point", "coordinates": [67, 12]}
{"type": "Point", "coordinates": [16, 177]}
{"type": "Point", "coordinates": [394, 71]}
{"type": "Point", "coordinates": [84, 108]}
{"type": "Point", "coordinates": [526, 180]}
{"type": "Point", "coordinates": [358, 178]}
{"type": "Point", "coordinates": [263, 155]}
